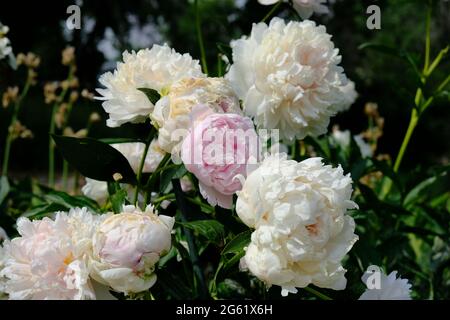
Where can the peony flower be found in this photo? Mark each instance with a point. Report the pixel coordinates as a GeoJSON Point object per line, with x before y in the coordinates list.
{"type": "Point", "coordinates": [135, 150]}
{"type": "Point", "coordinates": [173, 112]}
{"type": "Point", "coordinates": [302, 232]}
{"type": "Point", "coordinates": [156, 68]}
{"type": "Point", "coordinates": [98, 190]}
{"type": "Point", "coordinates": [2, 278]}
{"type": "Point", "coordinates": [3, 234]}
{"type": "Point", "coordinates": [364, 147]}
{"type": "Point", "coordinates": [5, 45]}
{"type": "Point", "coordinates": [305, 8]}
{"type": "Point", "coordinates": [217, 151]}
{"type": "Point", "coordinates": [49, 259]}
{"type": "Point", "coordinates": [127, 246]}
{"type": "Point", "coordinates": [384, 287]}
{"type": "Point", "coordinates": [289, 78]}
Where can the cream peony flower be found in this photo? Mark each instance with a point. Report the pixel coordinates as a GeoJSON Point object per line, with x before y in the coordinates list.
{"type": "Point", "coordinates": [305, 8]}
{"type": "Point", "coordinates": [2, 278]}
{"type": "Point", "coordinates": [98, 190]}
{"type": "Point", "coordinates": [135, 150]}
{"type": "Point", "coordinates": [364, 147]}
{"type": "Point", "coordinates": [384, 287]}
{"type": "Point", "coordinates": [302, 232]}
{"type": "Point", "coordinates": [49, 259]}
{"type": "Point", "coordinates": [173, 113]}
{"type": "Point", "coordinates": [156, 68]}
{"type": "Point", "coordinates": [3, 235]}
{"type": "Point", "coordinates": [5, 45]}
{"type": "Point", "coordinates": [289, 78]}
{"type": "Point", "coordinates": [127, 247]}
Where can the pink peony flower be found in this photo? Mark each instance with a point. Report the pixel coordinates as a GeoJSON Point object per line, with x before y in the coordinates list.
{"type": "Point", "coordinates": [218, 151]}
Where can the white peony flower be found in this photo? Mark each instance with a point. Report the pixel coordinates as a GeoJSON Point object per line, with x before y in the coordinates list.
{"type": "Point", "coordinates": [156, 68]}
{"type": "Point", "coordinates": [305, 8]}
{"type": "Point", "coordinates": [5, 45]}
{"type": "Point", "coordinates": [349, 95]}
{"type": "Point", "coordinates": [127, 247]}
{"type": "Point", "coordinates": [341, 138]}
{"type": "Point", "coordinates": [2, 278]}
{"type": "Point", "coordinates": [49, 259]}
{"type": "Point", "coordinates": [302, 232]}
{"type": "Point", "coordinates": [135, 150]}
{"type": "Point", "coordinates": [173, 115]}
{"type": "Point", "coordinates": [98, 190]}
{"type": "Point", "coordinates": [384, 287]}
{"type": "Point", "coordinates": [364, 147]}
{"type": "Point", "coordinates": [3, 235]}
{"type": "Point", "coordinates": [289, 78]}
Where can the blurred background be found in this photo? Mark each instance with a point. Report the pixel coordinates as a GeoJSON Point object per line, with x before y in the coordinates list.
{"type": "Point", "coordinates": [110, 27]}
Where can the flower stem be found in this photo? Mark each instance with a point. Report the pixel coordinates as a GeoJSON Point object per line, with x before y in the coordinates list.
{"type": "Point", "coordinates": [141, 164]}
{"type": "Point", "coordinates": [200, 38]}
{"type": "Point", "coordinates": [427, 40]}
{"type": "Point", "coordinates": [412, 125]}
{"type": "Point", "coordinates": [317, 293]}
{"type": "Point", "coordinates": [193, 253]}
{"type": "Point", "coordinates": [271, 12]}
{"type": "Point", "coordinates": [9, 137]}
{"type": "Point", "coordinates": [51, 144]}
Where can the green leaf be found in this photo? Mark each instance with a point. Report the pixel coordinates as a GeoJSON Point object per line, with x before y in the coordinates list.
{"type": "Point", "coordinates": [151, 94]}
{"type": "Point", "coordinates": [231, 254]}
{"type": "Point", "coordinates": [210, 229]}
{"type": "Point", "coordinates": [169, 174]}
{"type": "Point", "coordinates": [64, 199]}
{"type": "Point", "coordinates": [174, 285]}
{"type": "Point", "coordinates": [4, 188]}
{"type": "Point", "coordinates": [238, 243]}
{"type": "Point", "coordinates": [95, 159]}
{"type": "Point", "coordinates": [117, 196]}
{"type": "Point", "coordinates": [41, 211]}
{"type": "Point", "coordinates": [428, 189]}
{"type": "Point", "coordinates": [121, 140]}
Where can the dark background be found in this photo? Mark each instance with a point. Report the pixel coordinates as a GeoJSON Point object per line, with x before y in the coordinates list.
{"type": "Point", "coordinates": [118, 25]}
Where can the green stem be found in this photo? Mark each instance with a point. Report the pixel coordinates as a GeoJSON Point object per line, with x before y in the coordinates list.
{"type": "Point", "coordinates": [153, 177]}
{"type": "Point", "coordinates": [272, 10]}
{"type": "Point", "coordinates": [427, 40]}
{"type": "Point", "coordinates": [141, 164]}
{"type": "Point", "coordinates": [200, 38]}
{"type": "Point", "coordinates": [65, 174]}
{"type": "Point", "coordinates": [9, 137]}
{"type": "Point", "coordinates": [51, 149]}
{"type": "Point", "coordinates": [193, 253]}
{"type": "Point", "coordinates": [412, 125]}
{"type": "Point", "coordinates": [51, 144]}
{"type": "Point", "coordinates": [317, 293]}
{"type": "Point", "coordinates": [219, 65]}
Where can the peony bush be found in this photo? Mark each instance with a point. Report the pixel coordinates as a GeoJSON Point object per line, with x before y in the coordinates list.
{"type": "Point", "coordinates": [236, 186]}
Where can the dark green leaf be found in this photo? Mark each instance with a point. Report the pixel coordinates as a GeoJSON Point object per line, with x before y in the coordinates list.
{"type": "Point", "coordinates": [121, 140]}
{"type": "Point", "coordinates": [151, 94]}
{"type": "Point", "coordinates": [69, 201]}
{"type": "Point", "coordinates": [428, 189]}
{"type": "Point", "coordinates": [44, 210]}
{"type": "Point", "coordinates": [237, 244]}
{"type": "Point", "coordinates": [174, 285]}
{"type": "Point", "coordinates": [4, 188]}
{"type": "Point", "coordinates": [169, 174]}
{"type": "Point", "coordinates": [95, 159]}
{"type": "Point", "coordinates": [210, 229]}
